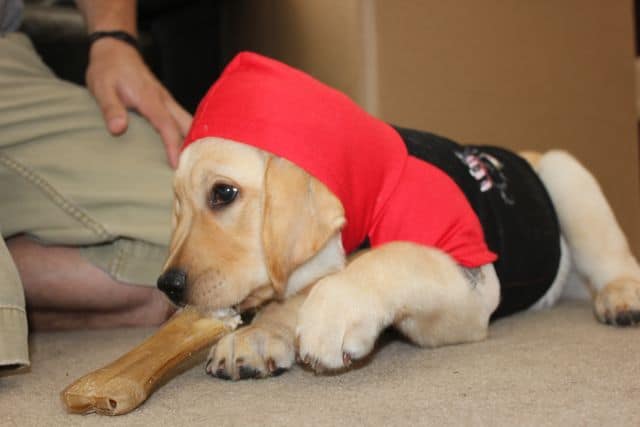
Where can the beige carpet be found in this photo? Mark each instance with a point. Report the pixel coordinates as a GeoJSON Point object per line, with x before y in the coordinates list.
{"type": "Point", "coordinates": [557, 367]}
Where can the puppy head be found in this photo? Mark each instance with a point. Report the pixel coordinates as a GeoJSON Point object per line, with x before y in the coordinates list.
{"type": "Point", "coordinates": [247, 227]}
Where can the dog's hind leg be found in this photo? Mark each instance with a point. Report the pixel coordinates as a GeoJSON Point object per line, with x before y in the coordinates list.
{"type": "Point", "coordinates": [598, 246]}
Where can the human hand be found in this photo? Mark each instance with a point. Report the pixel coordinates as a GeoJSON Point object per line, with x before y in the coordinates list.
{"type": "Point", "coordinates": [119, 80]}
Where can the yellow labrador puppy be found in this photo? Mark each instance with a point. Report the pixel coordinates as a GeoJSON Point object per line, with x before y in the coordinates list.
{"type": "Point", "coordinates": [254, 227]}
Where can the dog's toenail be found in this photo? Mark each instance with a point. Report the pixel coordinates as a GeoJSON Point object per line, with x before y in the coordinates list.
{"type": "Point", "coordinates": [271, 365]}
{"type": "Point", "coordinates": [346, 359]}
{"type": "Point", "coordinates": [318, 368]}
{"type": "Point", "coordinates": [623, 318]}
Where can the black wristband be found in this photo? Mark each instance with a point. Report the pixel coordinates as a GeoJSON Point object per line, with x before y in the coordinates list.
{"type": "Point", "coordinates": [119, 35]}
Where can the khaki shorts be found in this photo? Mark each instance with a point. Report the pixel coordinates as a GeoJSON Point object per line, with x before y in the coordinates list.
{"type": "Point", "coordinates": [65, 181]}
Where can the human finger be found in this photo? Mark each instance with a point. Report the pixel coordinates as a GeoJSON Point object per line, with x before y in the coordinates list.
{"type": "Point", "coordinates": [113, 110]}
{"type": "Point", "coordinates": [179, 114]}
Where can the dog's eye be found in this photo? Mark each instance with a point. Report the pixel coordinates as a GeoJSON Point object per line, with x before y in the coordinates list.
{"type": "Point", "coordinates": [222, 195]}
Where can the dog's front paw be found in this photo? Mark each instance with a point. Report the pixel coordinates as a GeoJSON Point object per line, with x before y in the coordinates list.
{"type": "Point", "coordinates": [338, 323]}
{"type": "Point", "coordinates": [618, 303]}
{"type": "Point", "coordinates": [251, 352]}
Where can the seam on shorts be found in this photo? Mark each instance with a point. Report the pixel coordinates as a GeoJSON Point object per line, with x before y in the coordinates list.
{"type": "Point", "coordinates": [55, 196]}
{"type": "Point", "coordinates": [116, 263]}
{"type": "Point", "coordinates": [12, 307]}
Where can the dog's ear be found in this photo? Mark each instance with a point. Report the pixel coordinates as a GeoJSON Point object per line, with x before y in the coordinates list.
{"type": "Point", "coordinates": [300, 216]}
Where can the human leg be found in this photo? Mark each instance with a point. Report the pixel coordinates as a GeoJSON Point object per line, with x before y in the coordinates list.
{"type": "Point", "coordinates": [88, 214]}
{"type": "Point", "coordinates": [52, 276]}
{"type": "Point", "coordinates": [13, 320]}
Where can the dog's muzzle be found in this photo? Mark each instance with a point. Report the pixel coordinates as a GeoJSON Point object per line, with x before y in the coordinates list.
{"type": "Point", "coordinates": [172, 283]}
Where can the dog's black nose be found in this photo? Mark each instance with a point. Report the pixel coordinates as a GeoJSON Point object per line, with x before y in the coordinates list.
{"type": "Point", "coordinates": [172, 282]}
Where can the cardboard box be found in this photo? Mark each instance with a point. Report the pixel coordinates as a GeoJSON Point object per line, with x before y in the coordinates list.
{"type": "Point", "coordinates": [524, 75]}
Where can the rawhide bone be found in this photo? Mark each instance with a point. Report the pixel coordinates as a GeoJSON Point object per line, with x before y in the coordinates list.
{"type": "Point", "coordinates": [124, 384]}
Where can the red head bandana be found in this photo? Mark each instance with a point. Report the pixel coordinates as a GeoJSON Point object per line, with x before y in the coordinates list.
{"type": "Point", "coordinates": [362, 160]}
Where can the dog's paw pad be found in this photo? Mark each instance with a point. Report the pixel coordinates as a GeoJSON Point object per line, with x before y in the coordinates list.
{"type": "Point", "coordinates": [628, 318]}
{"type": "Point", "coordinates": [222, 374]}
{"type": "Point", "coordinates": [246, 372]}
